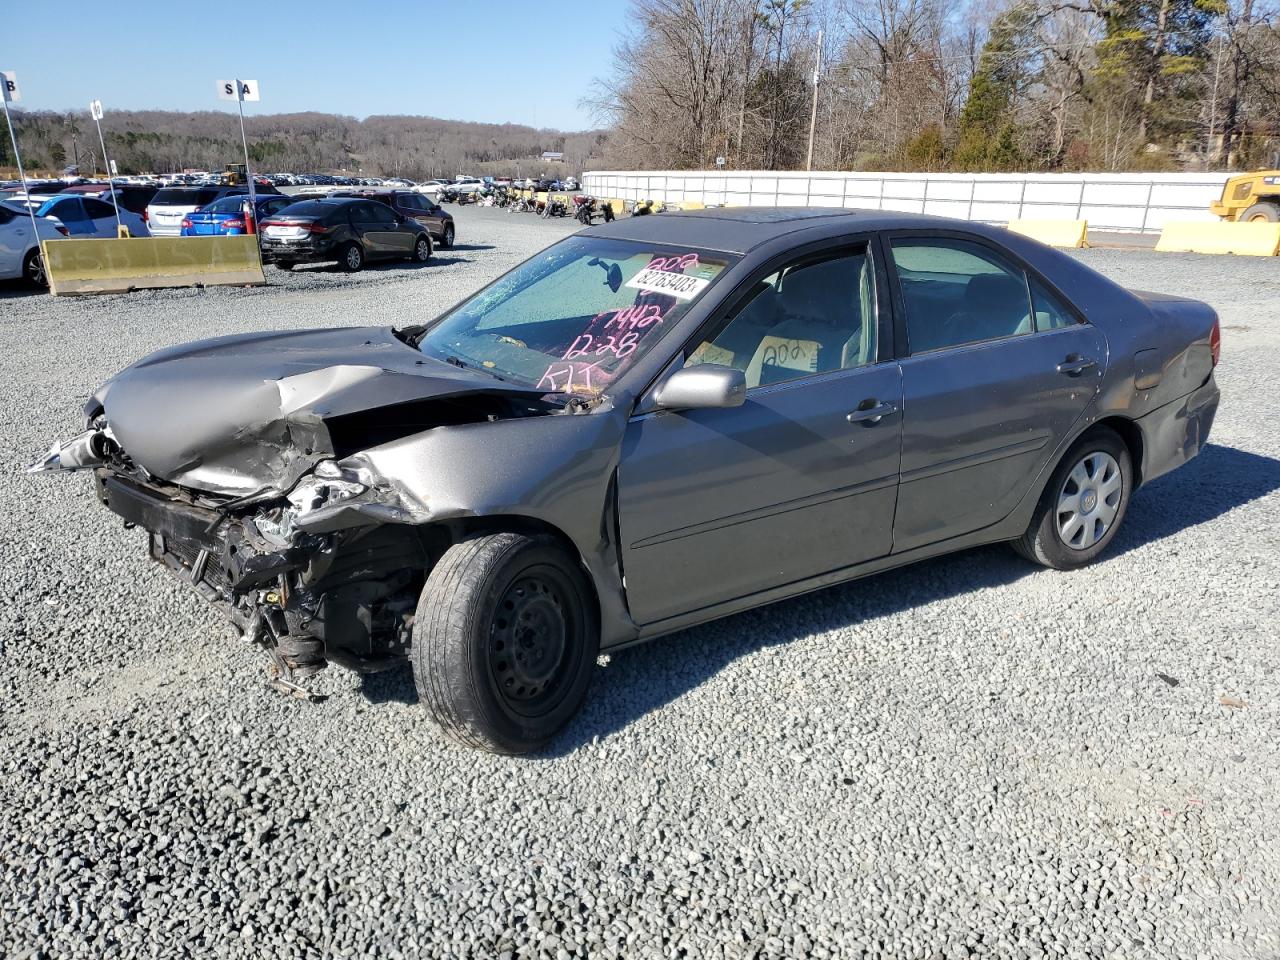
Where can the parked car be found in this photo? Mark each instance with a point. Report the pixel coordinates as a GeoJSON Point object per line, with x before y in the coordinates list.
{"type": "Point", "coordinates": [132, 198]}
{"type": "Point", "coordinates": [408, 203]}
{"type": "Point", "coordinates": [85, 218]}
{"type": "Point", "coordinates": [170, 206]}
{"type": "Point", "coordinates": [351, 231]}
{"type": "Point", "coordinates": [225, 217]}
{"type": "Point", "coordinates": [19, 251]}
{"type": "Point", "coordinates": [731, 406]}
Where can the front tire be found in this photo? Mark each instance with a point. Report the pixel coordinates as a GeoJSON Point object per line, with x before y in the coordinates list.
{"type": "Point", "coordinates": [1083, 505]}
{"type": "Point", "coordinates": [422, 249]}
{"type": "Point", "coordinates": [284, 265]}
{"type": "Point", "coordinates": [504, 641]}
{"type": "Point", "coordinates": [1262, 212]}
{"type": "Point", "coordinates": [446, 241]}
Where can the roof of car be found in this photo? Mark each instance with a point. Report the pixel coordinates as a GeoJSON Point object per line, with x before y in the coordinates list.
{"type": "Point", "coordinates": [738, 229]}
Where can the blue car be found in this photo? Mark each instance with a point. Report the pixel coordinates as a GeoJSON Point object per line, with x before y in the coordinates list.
{"type": "Point", "coordinates": [225, 217]}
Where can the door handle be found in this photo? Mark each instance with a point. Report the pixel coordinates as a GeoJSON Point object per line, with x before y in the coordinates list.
{"type": "Point", "coordinates": [1076, 365]}
{"type": "Point", "coordinates": [870, 412]}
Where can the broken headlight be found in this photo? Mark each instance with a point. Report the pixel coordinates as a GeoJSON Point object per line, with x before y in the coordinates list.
{"type": "Point", "coordinates": [326, 487]}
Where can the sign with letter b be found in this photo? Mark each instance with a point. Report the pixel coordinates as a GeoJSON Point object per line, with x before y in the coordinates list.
{"type": "Point", "coordinates": [9, 84]}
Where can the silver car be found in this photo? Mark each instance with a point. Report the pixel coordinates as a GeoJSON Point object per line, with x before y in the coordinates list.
{"type": "Point", "coordinates": [648, 425]}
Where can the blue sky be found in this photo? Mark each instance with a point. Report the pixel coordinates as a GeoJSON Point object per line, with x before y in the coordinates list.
{"type": "Point", "coordinates": [523, 61]}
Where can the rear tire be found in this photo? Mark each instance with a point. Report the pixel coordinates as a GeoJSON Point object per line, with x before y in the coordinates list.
{"type": "Point", "coordinates": [1262, 212]}
{"type": "Point", "coordinates": [33, 269]}
{"type": "Point", "coordinates": [504, 641]}
{"type": "Point", "coordinates": [1083, 505]}
{"type": "Point", "coordinates": [351, 257]}
{"type": "Point", "coordinates": [284, 265]}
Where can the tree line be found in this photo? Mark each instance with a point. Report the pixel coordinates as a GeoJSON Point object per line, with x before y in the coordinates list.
{"type": "Point", "coordinates": [943, 85]}
{"type": "Point", "coordinates": [155, 141]}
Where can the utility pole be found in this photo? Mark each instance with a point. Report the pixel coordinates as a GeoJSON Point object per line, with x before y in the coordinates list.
{"type": "Point", "coordinates": [813, 114]}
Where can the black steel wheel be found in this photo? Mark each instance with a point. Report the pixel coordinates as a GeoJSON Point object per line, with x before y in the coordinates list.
{"type": "Point", "coordinates": [504, 641]}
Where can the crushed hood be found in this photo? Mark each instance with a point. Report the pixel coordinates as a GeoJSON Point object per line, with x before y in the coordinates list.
{"type": "Point", "coordinates": [243, 414]}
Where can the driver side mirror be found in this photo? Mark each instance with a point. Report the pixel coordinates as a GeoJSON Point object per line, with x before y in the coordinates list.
{"type": "Point", "coordinates": [705, 386]}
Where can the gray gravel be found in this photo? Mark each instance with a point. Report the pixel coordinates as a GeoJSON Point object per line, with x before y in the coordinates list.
{"type": "Point", "coordinates": [970, 757]}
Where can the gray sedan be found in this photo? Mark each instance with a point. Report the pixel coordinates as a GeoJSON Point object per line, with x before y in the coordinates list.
{"type": "Point", "coordinates": [648, 425]}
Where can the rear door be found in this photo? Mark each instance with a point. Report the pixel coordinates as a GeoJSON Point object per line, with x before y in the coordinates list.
{"type": "Point", "coordinates": [998, 370]}
{"type": "Point", "coordinates": [102, 216]}
{"type": "Point", "coordinates": [395, 238]}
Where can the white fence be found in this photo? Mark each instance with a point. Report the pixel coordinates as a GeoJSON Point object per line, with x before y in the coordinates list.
{"type": "Point", "coordinates": [1133, 202]}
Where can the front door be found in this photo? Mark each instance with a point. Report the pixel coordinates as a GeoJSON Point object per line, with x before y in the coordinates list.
{"type": "Point", "coordinates": [798, 481]}
{"type": "Point", "coordinates": [1000, 370]}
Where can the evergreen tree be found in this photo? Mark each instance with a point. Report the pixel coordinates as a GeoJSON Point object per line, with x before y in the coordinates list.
{"type": "Point", "coordinates": [987, 134]}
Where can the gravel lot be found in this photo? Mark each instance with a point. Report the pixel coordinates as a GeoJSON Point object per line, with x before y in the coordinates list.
{"type": "Point", "coordinates": [970, 757]}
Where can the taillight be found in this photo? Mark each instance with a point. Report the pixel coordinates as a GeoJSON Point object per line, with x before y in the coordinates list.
{"type": "Point", "coordinates": [1215, 341]}
{"type": "Point", "coordinates": [146, 214]}
{"type": "Point", "coordinates": [233, 224]}
{"type": "Point", "coordinates": [186, 223]}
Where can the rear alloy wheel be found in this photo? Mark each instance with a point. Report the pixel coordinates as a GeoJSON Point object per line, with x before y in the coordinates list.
{"type": "Point", "coordinates": [351, 258]}
{"type": "Point", "coordinates": [1262, 212]}
{"type": "Point", "coordinates": [504, 641]}
{"type": "Point", "coordinates": [447, 240]}
{"type": "Point", "coordinates": [33, 269]}
{"type": "Point", "coordinates": [1083, 505]}
{"type": "Point", "coordinates": [422, 250]}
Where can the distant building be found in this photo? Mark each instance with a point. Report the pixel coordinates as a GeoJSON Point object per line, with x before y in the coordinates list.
{"type": "Point", "coordinates": [552, 156]}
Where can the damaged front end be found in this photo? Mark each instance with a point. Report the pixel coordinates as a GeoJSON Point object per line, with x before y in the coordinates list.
{"type": "Point", "coordinates": [312, 576]}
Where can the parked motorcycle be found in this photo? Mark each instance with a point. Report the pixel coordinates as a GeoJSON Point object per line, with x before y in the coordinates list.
{"type": "Point", "coordinates": [555, 206]}
{"type": "Point", "coordinates": [584, 209]}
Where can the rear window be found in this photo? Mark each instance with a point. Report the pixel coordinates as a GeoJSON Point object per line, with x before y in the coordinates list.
{"type": "Point", "coordinates": [309, 209]}
{"type": "Point", "coordinates": [226, 205]}
{"type": "Point", "coordinates": [179, 197]}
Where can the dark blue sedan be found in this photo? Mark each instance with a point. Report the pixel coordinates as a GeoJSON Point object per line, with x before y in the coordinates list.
{"type": "Point", "coordinates": [225, 217]}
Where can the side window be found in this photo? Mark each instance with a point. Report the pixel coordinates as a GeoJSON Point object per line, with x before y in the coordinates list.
{"type": "Point", "coordinates": [381, 214]}
{"type": "Point", "coordinates": [68, 211]}
{"type": "Point", "coordinates": [814, 316]}
{"type": "Point", "coordinates": [411, 202]}
{"type": "Point", "coordinates": [98, 210]}
{"type": "Point", "coordinates": [956, 292]}
{"type": "Point", "coordinates": [1050, 312]}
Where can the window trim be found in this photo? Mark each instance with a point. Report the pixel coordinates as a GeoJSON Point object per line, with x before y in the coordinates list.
{"type": "Point", "coordinates": [818, 251]}
{"type": "Point", "coordinates": [900, 334]}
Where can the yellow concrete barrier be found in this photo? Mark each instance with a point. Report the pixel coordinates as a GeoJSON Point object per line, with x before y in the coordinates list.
{"type": "Point", "coordinates": [1056, 233]}
{"type": "Point", "coordinates": [1222, 236]}
{"type": "Point", "coordinates": [691, 205]}
{"type": "Point", "coordinates": [141, 263]}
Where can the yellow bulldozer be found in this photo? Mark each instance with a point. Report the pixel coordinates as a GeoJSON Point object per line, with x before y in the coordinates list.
{"type": "Point", "coordinates": [1250, 197]}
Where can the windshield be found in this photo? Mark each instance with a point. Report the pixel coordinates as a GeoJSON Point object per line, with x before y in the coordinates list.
{"type": "Point", "coordinates": [576, 316]}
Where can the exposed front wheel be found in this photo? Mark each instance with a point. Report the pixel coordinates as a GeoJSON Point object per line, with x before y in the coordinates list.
{"type": "Point", "coordinates": [504, 641]}
{"type": "Point", "coordinates": [422, 250]}
{"type": "Point", "coordinates": [351, 258]}
{"type": "Point", "coordinates": [33, 269]}
{"type": "Point", "coordinates": [447, 240]}
{"type": "Point", "coordinates": [1083, 505]}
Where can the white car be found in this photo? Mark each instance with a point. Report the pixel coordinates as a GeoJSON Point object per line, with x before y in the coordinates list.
{"type": "Point", "coordinates": [19, 252]}
{"type": "Point", "coordinates": [85, 218]}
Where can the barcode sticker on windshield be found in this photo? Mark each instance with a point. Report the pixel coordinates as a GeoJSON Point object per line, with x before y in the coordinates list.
{"type": "Point", "coordinates": [673, 284]}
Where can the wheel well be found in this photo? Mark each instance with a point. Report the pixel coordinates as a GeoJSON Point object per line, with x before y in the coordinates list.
{"type": "Point", "coordinates": [526, 525]}
{"type": "Point", "coordinates": [1131, 434]}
